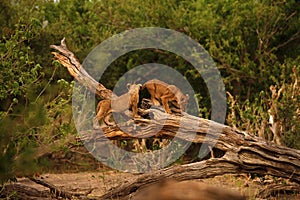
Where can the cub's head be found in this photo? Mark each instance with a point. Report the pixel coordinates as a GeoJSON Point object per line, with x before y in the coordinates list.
{"type": "Point", "coordinates": [184, 101]}
{"type": "Point", "coordinates": [133, 88]}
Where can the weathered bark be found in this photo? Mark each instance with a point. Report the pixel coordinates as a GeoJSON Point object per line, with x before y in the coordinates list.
{"type": "Point", "coordinates": [23, 191]}
{"type": "Point", "coordinates": [275, 189]}
{"type": "Point", "coordinates": [68, 60]}
{"type": "Point", "coordinates": [243, 152]}
{"type": "Point", "coordinates": [55, 191]}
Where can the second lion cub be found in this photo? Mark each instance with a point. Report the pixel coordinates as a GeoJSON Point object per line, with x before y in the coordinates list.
{"type": "Point", "coordinates": [118, 104]}
{"type": "Point", "coordinates": [161, 91]}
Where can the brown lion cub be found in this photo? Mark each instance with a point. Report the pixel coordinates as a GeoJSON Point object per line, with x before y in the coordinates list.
{"type": "Point", "coordinates": [161, 91]}
{"type": "Point", "coordinates": [118, 104]}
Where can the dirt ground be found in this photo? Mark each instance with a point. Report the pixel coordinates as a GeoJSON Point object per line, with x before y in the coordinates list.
{"type": "Point", "coordinates": [94, 184]}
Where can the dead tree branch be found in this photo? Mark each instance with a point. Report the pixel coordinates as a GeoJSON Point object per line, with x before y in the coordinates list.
{"type": "Point", "coordinates": [68, 60]}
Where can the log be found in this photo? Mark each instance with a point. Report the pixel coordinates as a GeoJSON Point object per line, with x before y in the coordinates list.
{"type": "Point", "coordinates": [55, 191]}
{"type": "Point", "coordinates": [275, 189]}
{"type": "Point", "coordinates": [243, 152]}
{"type": "Point", "coordinates": [23, 191]}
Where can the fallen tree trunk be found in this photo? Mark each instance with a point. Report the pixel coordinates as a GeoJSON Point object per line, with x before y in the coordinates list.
{"type": "Point", "coordinates": [242, 152]}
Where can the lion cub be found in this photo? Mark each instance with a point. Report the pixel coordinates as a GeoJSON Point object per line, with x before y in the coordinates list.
{"type": "Point", "coordinates": [118, 104]}
{"type": "Point", "coordinates": [161, 91]}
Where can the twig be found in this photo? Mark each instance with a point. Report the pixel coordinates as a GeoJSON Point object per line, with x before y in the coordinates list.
{"type": "Point", "coordinates": [57, 192]}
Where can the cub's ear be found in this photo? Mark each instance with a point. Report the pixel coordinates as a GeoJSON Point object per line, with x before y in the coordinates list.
{"type": "Point", "coordinates": [140, 85]}
{"type": "Point", "coordinates": [187, 97]}
{"type": "Point", "coordinates": [128, 85]}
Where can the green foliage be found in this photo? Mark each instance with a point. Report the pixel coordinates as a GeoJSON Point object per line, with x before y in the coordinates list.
{"type": "Point", "coordinates": [254, 116]}
{"type": "Point", "coordinates": [19, 78]}
{"type": "Point", "coordinates": [289, 110]}
{"type": "Point", "coordinates": [18, 69]}
{"type": "Point", "coordinates": [254, 43]}
{"type": "Point", "coordinates": [40, 128]}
